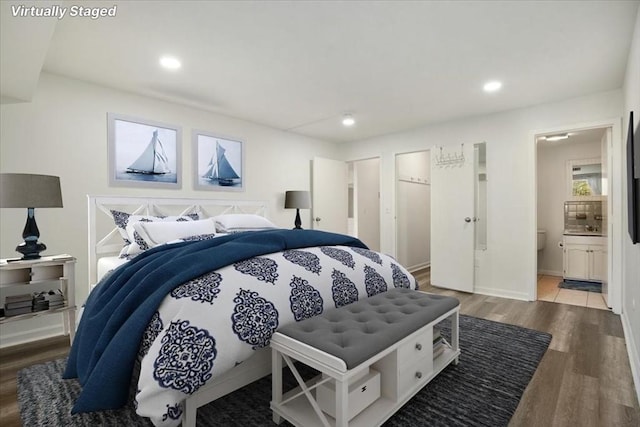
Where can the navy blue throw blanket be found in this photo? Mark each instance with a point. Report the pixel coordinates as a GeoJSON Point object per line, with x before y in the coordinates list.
{"type": "Point", "coordinates": [116, 314]}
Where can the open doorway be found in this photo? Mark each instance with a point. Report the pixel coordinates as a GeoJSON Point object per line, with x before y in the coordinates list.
{"type": "Point", "coordinates": [572, 216]}
{"type": "Point", "coordinates": [413, 209]}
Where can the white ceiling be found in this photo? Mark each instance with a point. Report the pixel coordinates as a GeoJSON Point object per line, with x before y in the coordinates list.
{"type": "Point", "coordinates": [299, 65]}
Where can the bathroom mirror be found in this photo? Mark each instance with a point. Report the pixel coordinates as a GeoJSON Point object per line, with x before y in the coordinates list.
{"type": "Point", "coordinates": [585, 179]}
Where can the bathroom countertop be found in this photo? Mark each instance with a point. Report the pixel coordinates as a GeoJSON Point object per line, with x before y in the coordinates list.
{"type": "Point", "coordinates": [584, 233]}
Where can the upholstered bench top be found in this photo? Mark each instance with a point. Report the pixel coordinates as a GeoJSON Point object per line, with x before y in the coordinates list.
{"type": "Point", "coordinates": [359, 331]}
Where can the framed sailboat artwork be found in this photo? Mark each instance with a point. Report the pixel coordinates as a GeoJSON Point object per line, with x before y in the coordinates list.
{"type": "Point", "coordinates": [218, 162]}
{"type": "Point", "coordinates": [143, 153]}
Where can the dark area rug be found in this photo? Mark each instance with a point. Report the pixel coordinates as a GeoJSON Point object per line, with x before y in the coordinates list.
{"type": "Point", "coordinates": [580, 285]}
{"type": "Point", "coordinates": [484, 389]}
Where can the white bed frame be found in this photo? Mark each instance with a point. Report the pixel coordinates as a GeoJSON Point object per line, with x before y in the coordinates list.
{"type": "Point", "coordinates": [105, 240]}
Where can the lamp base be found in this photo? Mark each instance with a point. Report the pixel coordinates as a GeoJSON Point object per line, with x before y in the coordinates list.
{"type": "Point", "coordinates": [30, 249]}
{"type": "Point", "coordinates": [298, 222]}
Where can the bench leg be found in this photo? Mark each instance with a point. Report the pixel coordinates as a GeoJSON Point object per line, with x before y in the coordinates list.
{"type": "Point", "coordinates": [342, 406]}
{"type": "Point", "coordinates": [189, 415]}
{"type": "Point", "coordinates": [276, 383]}
{"type": "Point", "coordinates": [455, 336]}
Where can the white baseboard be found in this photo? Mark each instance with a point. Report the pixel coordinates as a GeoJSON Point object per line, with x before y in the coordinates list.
{"type": "Point", "coordinates": [632, 349]}
{"type": "Point", "coordinates": [550, 273]}
{"type": "Point", "coordinates": [493, 292]}
{"type": "Point", "coordinates": [417, 267]}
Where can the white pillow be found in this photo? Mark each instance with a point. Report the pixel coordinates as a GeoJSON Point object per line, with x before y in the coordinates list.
{"type": "Point", "coordinates": [133, 244]}
{"type": "Point", "coordinates": [158, 233]}
{"type": "Point", "coordinates": [233, 223]}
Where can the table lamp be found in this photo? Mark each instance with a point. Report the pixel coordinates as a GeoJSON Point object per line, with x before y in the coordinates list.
{"type": "Point", "coordinates": [23, 190]}
{"type": "Point", "coordinates": [297, 200]}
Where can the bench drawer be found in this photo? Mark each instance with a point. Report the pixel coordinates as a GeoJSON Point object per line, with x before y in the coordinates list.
{"type": "Point", "coordinates": [414, 374]}
{"type": "Point", "coordinates": [416, 348]}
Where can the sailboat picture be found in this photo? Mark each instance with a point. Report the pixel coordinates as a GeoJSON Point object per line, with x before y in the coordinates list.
{"type": "Point", "coordinates": [153, 160]}
{"type": "Point", "coordinates": [219, 162]}
{"type": "Point", "coordinates": [143, 153]}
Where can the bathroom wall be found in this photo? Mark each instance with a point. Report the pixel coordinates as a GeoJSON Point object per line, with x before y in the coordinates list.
{"type": "Point", "coordinates": [552, 193]}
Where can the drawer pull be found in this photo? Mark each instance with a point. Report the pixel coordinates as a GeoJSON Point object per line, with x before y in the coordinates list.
{"type": "Point", "coordinates": [418, 346]}
{"type": "Point", "coordinates": [418, 375]}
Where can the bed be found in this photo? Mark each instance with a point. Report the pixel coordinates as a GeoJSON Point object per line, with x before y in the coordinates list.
{"type": "Point", "coordinates": [209, 332]}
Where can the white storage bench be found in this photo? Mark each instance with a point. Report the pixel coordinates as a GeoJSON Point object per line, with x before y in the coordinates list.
{"type": "Point", "coordinates": [373, 356]}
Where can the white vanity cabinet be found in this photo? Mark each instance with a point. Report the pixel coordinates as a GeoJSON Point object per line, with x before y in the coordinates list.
{"type": "Point", "coordinates": [585, 258]}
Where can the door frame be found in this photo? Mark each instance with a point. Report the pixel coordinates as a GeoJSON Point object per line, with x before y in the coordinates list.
{"type": "Point", "coordinates": [614, 216]}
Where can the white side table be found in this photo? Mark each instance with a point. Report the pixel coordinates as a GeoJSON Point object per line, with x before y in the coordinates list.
{"type": "Point", "coordinates": [41, 275]}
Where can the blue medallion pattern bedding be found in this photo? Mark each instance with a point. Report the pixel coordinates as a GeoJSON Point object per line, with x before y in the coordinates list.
{"type": "Point", "coordinates": [208, 321]}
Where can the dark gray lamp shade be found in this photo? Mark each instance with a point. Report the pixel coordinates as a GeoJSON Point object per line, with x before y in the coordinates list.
{"type": "Point", "coordinates": [23, 190]}
{"type": "Point", "coordinates": [297, 200]}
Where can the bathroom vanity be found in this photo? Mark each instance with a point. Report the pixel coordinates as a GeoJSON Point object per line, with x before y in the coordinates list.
{"type": "Point", "coordinates": [585, 257]}
{"type": "Point", "coordinates": [583, 242]}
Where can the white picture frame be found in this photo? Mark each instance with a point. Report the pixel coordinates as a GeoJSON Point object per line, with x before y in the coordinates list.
{"type": "Point", "coordinates": [218, 162]}
{"type": "Point", "coordinates": [143, 153]}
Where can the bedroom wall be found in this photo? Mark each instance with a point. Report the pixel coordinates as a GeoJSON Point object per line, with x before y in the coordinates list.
{"type": "Point", "coordinates": [63, 132]}
{"type": "Point", "coordinates": [631, 253]}
{"type": "Point", "coordinates": [509, 267]}
{"type": "Point", "coordinates": [552, 193]}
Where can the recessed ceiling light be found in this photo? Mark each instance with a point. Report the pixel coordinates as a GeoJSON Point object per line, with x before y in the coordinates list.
{"type": "Point", "coordinates": [170, 62]}
{"type": "Point", "coordinates": [348, 120]}
{"type": "Point", "coordinates": [557, 137]}
{"type": "Point", "coordinates": [492, 86]}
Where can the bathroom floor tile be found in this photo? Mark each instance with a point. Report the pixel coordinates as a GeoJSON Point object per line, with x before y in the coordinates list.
{"type": "Point", "coordinates": [549, 297]}
{"type": "Point", "coordinates": [549, 283]}
{"type": "Point", "coordinates": [595, 300]}
{"type": "Point", "coordinates": [548, 293]}
{"type": "Point", "coordinates": [548, 288]}
{"type": "Point", "coordinates": [571, 297]}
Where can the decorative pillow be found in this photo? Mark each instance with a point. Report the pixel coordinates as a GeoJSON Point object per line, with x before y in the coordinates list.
{"type": "Point", "coordinates": [233, 223]}
{"type": "Point", "coordinates": [124, 222]}
{"type": "Point", "coordinates": [158, 233]}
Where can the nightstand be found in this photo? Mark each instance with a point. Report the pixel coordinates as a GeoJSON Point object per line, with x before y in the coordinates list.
{"type": "Point", "coordinates": [39, 276]}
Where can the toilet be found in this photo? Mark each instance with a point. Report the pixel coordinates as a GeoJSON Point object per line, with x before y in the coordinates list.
{"type": "Point", "coordinates": [542, 238]}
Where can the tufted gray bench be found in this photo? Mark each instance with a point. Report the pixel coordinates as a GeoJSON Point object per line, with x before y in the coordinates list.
{"type": "Point", "coordinates": [358, 331]}
{"type": "Point", "coordinates": [391, 333]}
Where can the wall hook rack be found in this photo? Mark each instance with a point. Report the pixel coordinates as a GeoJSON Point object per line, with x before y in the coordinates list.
{"type": "Point", "coordinates": [450, 159]}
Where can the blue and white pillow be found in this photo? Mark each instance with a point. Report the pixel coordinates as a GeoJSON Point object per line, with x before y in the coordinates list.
{"type": "Point", "coordinates": [133, 242]}
{"type": "Point", "coordinates": [160, 232]}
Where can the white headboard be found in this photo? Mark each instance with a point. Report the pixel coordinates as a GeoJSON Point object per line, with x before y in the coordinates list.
{"type": "Point", "coordinates": [105, 240]}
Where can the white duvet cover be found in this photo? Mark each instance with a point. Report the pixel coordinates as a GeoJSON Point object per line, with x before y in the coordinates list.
{"type": "Point", "coordinates": [210, 324]}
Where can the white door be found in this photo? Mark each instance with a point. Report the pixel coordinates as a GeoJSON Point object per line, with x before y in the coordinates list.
{"type": "Point", "coordinates": [366, 185]}
{"type": "Point", "coordinates": [452, 218]}
{"type": "Point", "coordinates": [329, 194]}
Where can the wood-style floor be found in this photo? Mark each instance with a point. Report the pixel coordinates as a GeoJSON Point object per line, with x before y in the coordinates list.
{"type": "Point", "coordinates": [584, 379]}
